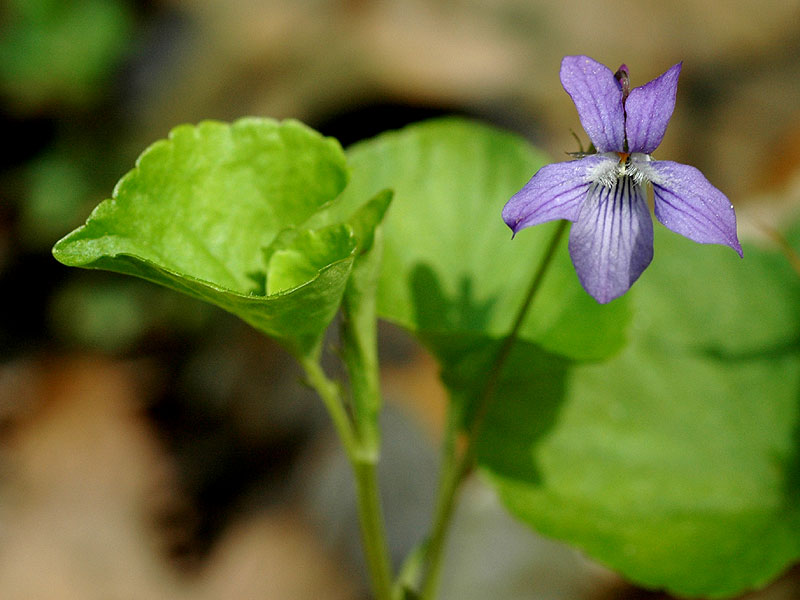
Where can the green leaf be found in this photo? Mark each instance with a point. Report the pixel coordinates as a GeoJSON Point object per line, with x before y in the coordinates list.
{"type": "Point", "coordinates": [677, 462]}
{"type": "Point", "coordinates": [199, 208]}
{"type": "Point", "coordinates": [450, 266]}
{"type": "Point", "coordinates": [302, 254]}
{"type": "Point", "coordinates": [366, 220]}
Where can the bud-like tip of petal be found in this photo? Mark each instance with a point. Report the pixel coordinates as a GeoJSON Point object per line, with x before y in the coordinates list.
{"type": "Point", "coordinates": [624, 79]}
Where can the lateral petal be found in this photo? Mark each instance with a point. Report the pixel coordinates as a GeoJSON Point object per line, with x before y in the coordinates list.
{"type": "Point", "coordinates": [556, 191]}
{"type": "Point", "coordinates": [687, 203]}
{"type": "Point", "coordinates": [598, 97]}
{"type": "Point", "coordinates": [648, 110]}
{"type": "Point", "coordinates": [611, 243]}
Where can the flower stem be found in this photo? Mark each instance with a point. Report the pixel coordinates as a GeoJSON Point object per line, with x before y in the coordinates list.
{"type": "Point", "coordinates": [456, 465]}
{"type": "Point", "coordinates": [486, 396]}
{"type": "Point", "coordinates": [450, 477]}
{"type": "Point", "coordinates": [330, 393]}
{"type": "Point", "coordinates": [373, 534]}
{"type": "Point", "coordinates": [363, 461]}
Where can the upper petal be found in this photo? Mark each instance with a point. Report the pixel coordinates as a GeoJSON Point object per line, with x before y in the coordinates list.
{"type": "Point", "coordinates": [556, 191]}
{"type": "Point", "coordinates": [648, 110]}
{"type": "Point", "coordinates": [612, 241]}
{"type": "Point", "coordinates": [598, 97]}
{"type": "Point", "coordinates": [687, 203]}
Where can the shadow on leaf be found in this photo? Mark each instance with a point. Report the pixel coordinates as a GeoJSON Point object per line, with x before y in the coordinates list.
{"type": "Point", "coordinates": [528, 394]}
{"type": "Point", "coordinates": [436, 312]}
{"type": "Point", "coordinates": [526, 405]}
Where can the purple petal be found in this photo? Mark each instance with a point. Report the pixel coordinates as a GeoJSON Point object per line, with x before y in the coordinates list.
{"type": "Point", "coordinates": [612, 241]}
{"type": "Point", "coordinates": [598, 97]}
{"type": "Point", "coordinates": [648, 110]}
{"type": "Point", "coordinates": [556, 191]}
{"type": "Point", "coordinates": [687, 203]}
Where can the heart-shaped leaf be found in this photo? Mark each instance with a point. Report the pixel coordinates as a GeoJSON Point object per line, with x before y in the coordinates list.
{"type": "Point", "coordinates": [677, 462]}
{"type": "Point", "coordinates": [199, 208]}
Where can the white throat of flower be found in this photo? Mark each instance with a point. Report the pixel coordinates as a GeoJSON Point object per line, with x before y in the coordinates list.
{"type": "Point", "coordinates": [619, 165]}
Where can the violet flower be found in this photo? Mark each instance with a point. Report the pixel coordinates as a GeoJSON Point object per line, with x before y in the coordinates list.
{"type": "Point", "coordinates": [604, 194]}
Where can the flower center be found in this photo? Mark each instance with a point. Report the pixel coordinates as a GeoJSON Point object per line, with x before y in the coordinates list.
{"type": "Point", "coordinates": [626, 164]}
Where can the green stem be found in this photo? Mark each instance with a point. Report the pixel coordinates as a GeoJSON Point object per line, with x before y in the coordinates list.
{"type": "Point", "coordinates": [359, 338]}
{"type": "Point", "coordinates": [360, 354]}
{"type": "Point", "coordinates": [363, 462]}
{"type": "Point", "coordinates": [373, 534]}
{"type": "Point", "coordinates": [330, 393]}
{"type": "Point", "coordinates": [358, 427]}
{"type": "Point", "coordinates": [452, 472]}
{"type": "Point", "coordinates": [455, 466]}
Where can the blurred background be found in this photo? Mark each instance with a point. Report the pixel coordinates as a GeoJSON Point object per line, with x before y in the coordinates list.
{"type": "Point", "coordinates": [154, 447]}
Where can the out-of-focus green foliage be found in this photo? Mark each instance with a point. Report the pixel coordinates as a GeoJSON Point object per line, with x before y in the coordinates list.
{"type": "Point", "coordinates": [60, 52]}
{"type": "Point", "coordinates": [113, 315]}
{"type": "Point", "coordinates": [57, 190]}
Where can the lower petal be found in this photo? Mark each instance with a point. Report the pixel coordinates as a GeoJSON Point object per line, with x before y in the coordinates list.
{"type": "Point", "coordinates": [556, 191]}
{"type": "Point", "coordinates": [611, 243]}
{"type": "Point", "coordinates": [687, 203]}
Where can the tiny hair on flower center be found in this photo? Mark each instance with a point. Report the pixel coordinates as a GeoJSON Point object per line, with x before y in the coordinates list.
{"type": "Point", "coordinates": [628, 166]}
{"type": "Point", "coordinates": [623, 164]}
